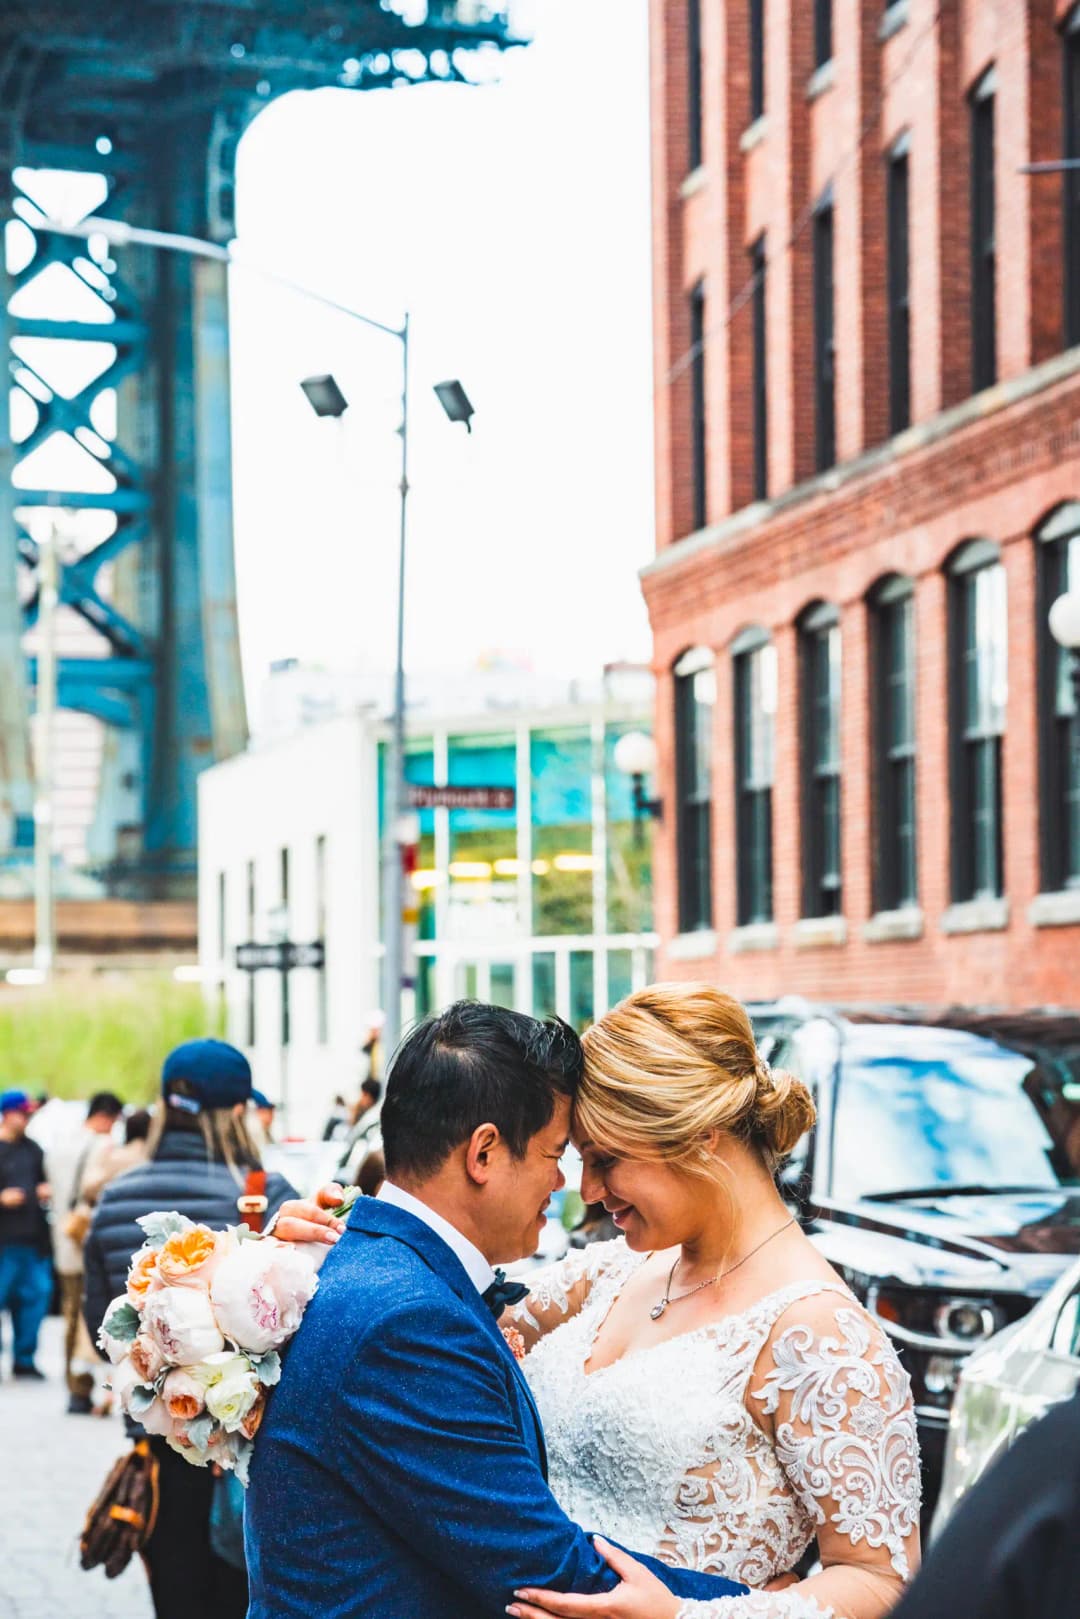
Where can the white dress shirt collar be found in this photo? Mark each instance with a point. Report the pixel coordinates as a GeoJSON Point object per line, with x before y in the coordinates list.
{"type": "Point", "coordinates": [476, 1266]}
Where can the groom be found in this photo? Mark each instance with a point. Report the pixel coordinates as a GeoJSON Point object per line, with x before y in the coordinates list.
{"type": "Point", "coordinates": [400, 1471]}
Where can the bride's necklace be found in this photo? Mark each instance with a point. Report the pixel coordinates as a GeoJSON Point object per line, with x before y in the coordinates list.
{"type": "Point", "coordinates": [658, 1309]}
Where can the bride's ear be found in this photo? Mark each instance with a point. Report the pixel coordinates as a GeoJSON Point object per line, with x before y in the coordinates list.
{"type": "Point", "coordinates": [480, 1152]}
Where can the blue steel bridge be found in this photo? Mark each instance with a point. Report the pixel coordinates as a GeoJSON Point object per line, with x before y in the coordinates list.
{"type": "Point", "coordinates": [152, 96]}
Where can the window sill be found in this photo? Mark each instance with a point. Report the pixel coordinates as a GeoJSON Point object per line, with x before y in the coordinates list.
{"type": "Point", "coordinates": [976, 916]}
{"type": "Point", "coordinates": [753, 936]}
{"type": "Point", "coordinates": [894, 19]}
{"type": "Point", "coordinates": [695, 181]}
{"type": "Point", "coordinates": [815, 932]}
{"type": "Point", "coordinates": [754, 134]}
{"type": "Point", "coordinates": [694, 946]}
{"type": "Point", "coordinates": [886, 926]}
{"type": "Point", "coordinates": [822, 79]}
{"type": "Point", "coordinates": [1055, 910]}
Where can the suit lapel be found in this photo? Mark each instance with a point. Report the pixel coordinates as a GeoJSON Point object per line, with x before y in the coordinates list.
{"type": "Point", "coordinates": [378, 1219]}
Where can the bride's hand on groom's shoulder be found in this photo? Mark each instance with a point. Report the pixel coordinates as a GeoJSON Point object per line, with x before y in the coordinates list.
{"type": "Point", "coordinates": [309, 1219]}
{"type": "Point", "coordinates": [640, 1595]}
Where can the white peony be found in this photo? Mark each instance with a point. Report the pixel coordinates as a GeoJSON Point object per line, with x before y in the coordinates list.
{"type": "Point", "coordinates": [260, 1292]}
{"type": "Point", "coordinates": [232, 1387]}
{"type": "Point", "coordinates": [181, 1323]}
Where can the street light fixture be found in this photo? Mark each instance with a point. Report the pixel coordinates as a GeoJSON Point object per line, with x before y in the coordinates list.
{"type": "Point", "coordinates": [324, 396]}
{"type": "Point", "coordinates": [635, 756]}
{"type": "Point", "coordinates": [456, 402]}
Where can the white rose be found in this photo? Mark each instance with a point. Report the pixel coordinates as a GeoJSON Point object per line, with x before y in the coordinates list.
{"type": "Point", "coordinates": [181, 1323]}
{"type": "Point", "coordinates": [231, 1388]}
{"type": "Point", "coordinates": [260, 1293]}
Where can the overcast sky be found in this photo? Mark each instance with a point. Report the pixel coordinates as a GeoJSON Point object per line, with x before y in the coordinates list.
{"type": "Point", "coordinates": [513, 221]}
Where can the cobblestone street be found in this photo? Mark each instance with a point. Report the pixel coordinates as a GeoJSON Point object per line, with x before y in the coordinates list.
{"type": "Point", "coordinates": [51, 1466]}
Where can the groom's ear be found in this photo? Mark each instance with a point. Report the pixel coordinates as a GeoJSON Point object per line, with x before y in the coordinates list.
{"type": "Point", "coordinates": [480, 1152]}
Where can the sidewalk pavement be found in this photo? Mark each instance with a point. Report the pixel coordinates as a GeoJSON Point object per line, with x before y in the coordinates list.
{"type": "Point", "coordinates": [51, 1468]}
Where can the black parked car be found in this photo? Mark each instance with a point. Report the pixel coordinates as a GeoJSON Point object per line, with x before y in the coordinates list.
{"type": "Point", "coordinates": [942, 1178]}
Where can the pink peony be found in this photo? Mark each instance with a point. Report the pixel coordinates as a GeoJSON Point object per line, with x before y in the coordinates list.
{"type": "Point", "coordinates": [260, 1292]}
{"type": "Point", "coordinates": [181, 1323]}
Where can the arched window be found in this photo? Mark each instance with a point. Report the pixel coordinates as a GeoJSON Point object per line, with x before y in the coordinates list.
{"type": "Point", "coordinates": [892, 729]}
{"type": "Point", "coordinates": [819, 660]}
{"type": "Point", "coordinates": [695, 704]}
{"type": "Point", "coordinates": [978, 696]}
{"type": "Point", "coordinates": [1058, 571]}
{"type": "Point", "coordinates": [754, 660]}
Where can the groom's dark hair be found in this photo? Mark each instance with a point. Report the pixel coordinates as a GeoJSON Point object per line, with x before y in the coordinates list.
{"type": "Point", "coordinates": [471, 1065]}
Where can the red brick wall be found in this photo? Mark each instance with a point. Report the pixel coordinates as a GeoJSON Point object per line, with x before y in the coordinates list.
{"type": "Point", "coordinates": [899, 507]}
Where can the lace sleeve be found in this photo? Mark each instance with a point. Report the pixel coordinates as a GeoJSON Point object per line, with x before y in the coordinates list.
{"type": "Point", "coordinates": [560, 1290]}
{"type": "Point", "coordinates": [839, 1404]}
{"type": "Point", "coordinates": [763, 1605]}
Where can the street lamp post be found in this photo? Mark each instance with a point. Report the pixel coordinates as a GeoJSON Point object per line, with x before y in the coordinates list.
{"type": "Point", "coordinates": [635, 756]}
{"type": "Point", "coordinates": [326, 398]}
{"type": "Point", "coordinates": [44, 897]}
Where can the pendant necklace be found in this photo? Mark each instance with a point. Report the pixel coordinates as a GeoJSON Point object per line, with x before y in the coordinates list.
{"type": "Point", "coordinates": [658, 1309]}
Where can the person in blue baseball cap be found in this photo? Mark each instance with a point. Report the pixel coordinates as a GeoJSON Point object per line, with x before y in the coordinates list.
{"type": "Point", "coordinates": [203, 1161]}
{"type": "Point", "coordinates": [25, 1248]}
{"type": "Point", "coordinates": [264, 1111]}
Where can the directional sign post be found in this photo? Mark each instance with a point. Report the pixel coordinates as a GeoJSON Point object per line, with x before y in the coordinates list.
{"type": "Point", "coordinates": [281, 956]}
{"type": "Point", "coordinates": [460, 798]}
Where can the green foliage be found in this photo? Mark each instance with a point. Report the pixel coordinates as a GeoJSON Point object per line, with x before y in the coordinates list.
{"type": "Point", "coordinates": [83, 1035]}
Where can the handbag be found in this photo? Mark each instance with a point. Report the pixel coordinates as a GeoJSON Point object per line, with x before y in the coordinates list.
{"type": "Point", "coordinates": [79, 1215]}
{"type": "Point", "coordinates": [123, 1516]}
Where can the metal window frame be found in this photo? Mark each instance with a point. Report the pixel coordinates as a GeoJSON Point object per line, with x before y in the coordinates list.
{"type": "Point", "coordinates": [898, 216]}
{"type": "Point", "coordinates": [970, 752]}
{"type": "Point", "coordinates": [698, 409]}
{"type": "Point", "coordinates": [820, 896]}
{"type": "Point", "coordinates": [753, 800]}
{"type": "Point", "coordinates": [693, 819]}
{"type": "Point", "coordinates": [892, 761]}
{"type": "Point", "coordinates": [824, 307]}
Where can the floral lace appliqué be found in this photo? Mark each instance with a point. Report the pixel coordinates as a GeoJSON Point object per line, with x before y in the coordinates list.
{"type": "Point", "coordinates": [849, 1437]}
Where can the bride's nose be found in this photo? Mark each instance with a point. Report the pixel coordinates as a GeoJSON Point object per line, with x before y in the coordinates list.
{"type": "Point", "coordinates": [592, 1185]}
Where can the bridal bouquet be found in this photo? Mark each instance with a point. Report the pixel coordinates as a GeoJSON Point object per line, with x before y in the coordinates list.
{"type": "Point", "coordinates": [194, 1340]}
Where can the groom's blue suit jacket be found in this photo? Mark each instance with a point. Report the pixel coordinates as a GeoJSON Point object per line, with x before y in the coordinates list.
{"type": "Point", "coordinates": [400, 1469]}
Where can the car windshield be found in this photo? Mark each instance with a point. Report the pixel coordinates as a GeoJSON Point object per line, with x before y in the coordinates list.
{"type": "Point", "coordinates": [921, 1108]}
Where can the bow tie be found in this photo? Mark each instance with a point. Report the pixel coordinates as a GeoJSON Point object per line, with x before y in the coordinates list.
{"type": "Point", "coordinates": [501, 1294]}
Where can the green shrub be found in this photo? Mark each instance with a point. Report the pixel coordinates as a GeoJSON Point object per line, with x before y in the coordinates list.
{"type": "Point", "coordinates": [85, 1034]}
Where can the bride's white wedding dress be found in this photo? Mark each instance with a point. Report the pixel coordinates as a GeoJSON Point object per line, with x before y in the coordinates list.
{"type": "Point", "coordinates": [678, 1450]}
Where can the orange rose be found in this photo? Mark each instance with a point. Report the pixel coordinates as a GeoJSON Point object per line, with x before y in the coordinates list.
{"type": "Point", "coordinates": [250, 1425]}
{"type": "Point", "coordinates": [142, 1276]}
{"type": "Point", "coordinates": [184, 1260]}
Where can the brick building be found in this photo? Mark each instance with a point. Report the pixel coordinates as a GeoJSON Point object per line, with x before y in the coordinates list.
{"type": "Point", "coordinates": [868, 488]}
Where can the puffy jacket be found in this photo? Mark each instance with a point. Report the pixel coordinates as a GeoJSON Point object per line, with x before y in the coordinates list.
{"type": "Point", "coordinates": [181, 1177]}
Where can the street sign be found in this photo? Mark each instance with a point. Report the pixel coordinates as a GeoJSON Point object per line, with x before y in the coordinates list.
{"type": "Point", "coordinates": [282, 956]}
{"type": "Point", "coordinates": [460, 798]}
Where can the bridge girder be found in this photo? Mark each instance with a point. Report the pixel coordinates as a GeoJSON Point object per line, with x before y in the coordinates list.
{"type": "Point", "coordinates": [154, 95]}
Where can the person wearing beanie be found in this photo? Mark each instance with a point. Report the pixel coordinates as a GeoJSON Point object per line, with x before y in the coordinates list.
{"type": "Point", "coordinates": [200, 1161]}
{"type": "Point", "coordinates": [25, 1265]}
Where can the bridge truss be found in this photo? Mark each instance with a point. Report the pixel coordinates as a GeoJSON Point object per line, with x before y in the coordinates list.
{"type": "Point", "coordinates": [151, 97]}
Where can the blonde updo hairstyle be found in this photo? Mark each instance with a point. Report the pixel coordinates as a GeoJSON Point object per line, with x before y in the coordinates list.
{"type": "Point", "coordinates": [675, 1062]}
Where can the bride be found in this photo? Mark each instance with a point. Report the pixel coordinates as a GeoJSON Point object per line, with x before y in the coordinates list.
{"type": "Point", "coordinates": [710, 1390]}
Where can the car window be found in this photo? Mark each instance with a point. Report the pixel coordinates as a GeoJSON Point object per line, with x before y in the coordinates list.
{"type": "Point", "coordinates": [921, 1107]}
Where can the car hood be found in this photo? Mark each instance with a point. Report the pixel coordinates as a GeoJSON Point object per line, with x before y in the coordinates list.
{"type": "Point", "coordinates": [1014, 1222]}
{"type": "Point", "coordinates": [1002, 1241]}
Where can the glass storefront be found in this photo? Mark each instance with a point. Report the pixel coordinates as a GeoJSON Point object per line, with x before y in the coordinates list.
{"type": "Point", "coordinates": [546, 907]}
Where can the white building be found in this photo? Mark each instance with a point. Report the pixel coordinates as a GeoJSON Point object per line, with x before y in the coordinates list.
{"type": "Point", "coordinates": [545, 907]}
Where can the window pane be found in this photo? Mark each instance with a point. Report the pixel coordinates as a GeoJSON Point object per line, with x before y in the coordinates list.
{"type": "Point", "coordinates": [757, 58]}
{"type": "Point", "coordinates": [629, 846]}
{"type": "Point", "coordinates": [695, 696]}
{"type": "Point", "coordinates": [543, 984]}
{"type": "Point", "coordinates": [698, 432]}
{"type": "Point", "coordinates": [693, 98]}
{"type": "Point", "coordinates": [581, 989]}
{"type": "Point", "coordinates": [899, 310]}
{"type": "Point", "coordinates": [821, 673]}
{"type": "Point", "coordinates": [983, 251]}
{"type": "Point", "coordinates": [824, 340]}
{"type": "Point", "coordinates": [502, 983]}
{"type": "Point", "coordinates": [561, 764]}
{"type": "Point", "coordinates": [620, 965]}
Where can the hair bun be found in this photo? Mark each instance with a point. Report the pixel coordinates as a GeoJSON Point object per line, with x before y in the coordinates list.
{"type": "Point", "coordinates": [783, 1109]}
